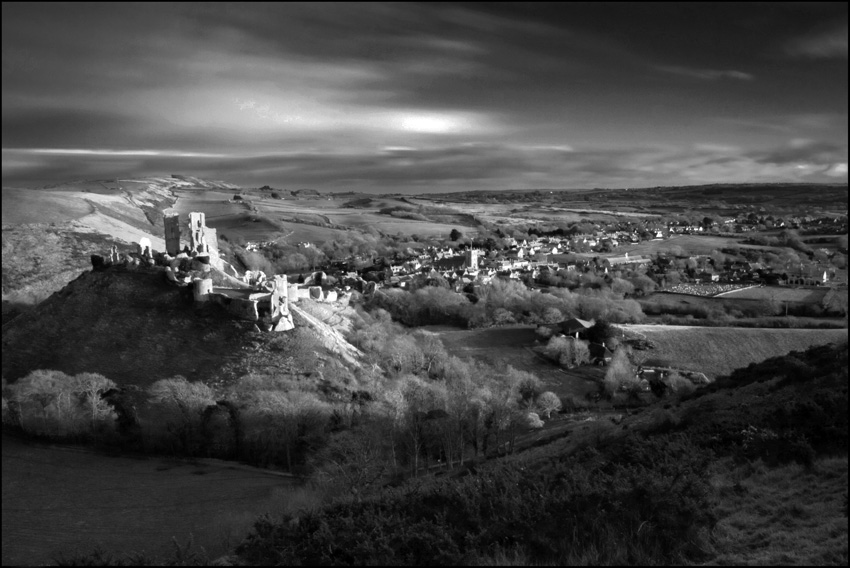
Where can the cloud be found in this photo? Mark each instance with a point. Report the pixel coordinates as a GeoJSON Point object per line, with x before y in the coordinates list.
{"type": "Point", "coordinates": [838, 170]}
{"type": "Point", "coordinates": [802, 151]}
{"type": "Point", "coordinates": [106, 152]}
{"type": "Point", "coordinates": [705, 74]}
{"type": "Point", "coordinates": [450, 167]}
{"type": "Point", "coordinates": [826, 44]}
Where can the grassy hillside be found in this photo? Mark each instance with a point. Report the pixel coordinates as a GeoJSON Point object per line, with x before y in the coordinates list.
{"type": "Point", "coordinates": [38, 260]}
{"type": "Point", "coordinates": [718, 351]}
{"type": "Point", "coordinates": [48, 234]}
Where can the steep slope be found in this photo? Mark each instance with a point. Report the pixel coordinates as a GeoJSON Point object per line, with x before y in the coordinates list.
{"type": "Point", "coordinates": [132, 327]}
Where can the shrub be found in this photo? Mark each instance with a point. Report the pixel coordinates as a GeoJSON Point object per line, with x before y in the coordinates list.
{"type": "Point", "coordinates": [678, 384]}
{"type": "Point", "coordinates": [533, 420]}
{"type": "Point", "coordinates": [639, 502]}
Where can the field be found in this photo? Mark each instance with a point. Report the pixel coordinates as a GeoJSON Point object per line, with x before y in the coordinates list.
{"type": "Point", "coordinates": [745, 299]}
{"type": "Point", "coordinates": [511, 345]}
{"type": "Point", "coordinates": [691, 244]}
{"type": "Point", "coordinates": [64, 500]}
{"type": "Point", "coordinates": [718, 351]}
{"type": "Point", "coordinates": [30, 206]}
{"type": "Point", "coordinates": [779, 294]}
{"type": "Point", "coordinates": [303, 219]}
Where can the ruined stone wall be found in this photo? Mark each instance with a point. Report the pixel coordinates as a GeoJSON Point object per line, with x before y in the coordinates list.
{"type": "Point", "coordinates": [203, 288]}
{"type": "Point", "coordinates": [197, 231]}
{"type": "Point", "coordinates": [212, 248]}
{"type": "Point", "coordinates": [243, 309]}
{"type": "Point", "coordinates": [172, 233]}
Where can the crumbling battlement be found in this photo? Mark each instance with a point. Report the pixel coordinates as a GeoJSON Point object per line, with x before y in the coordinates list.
{"type": "Point", "coordinates": [269, 306]}
{"type": "Point", "coordinates": [202, 239]}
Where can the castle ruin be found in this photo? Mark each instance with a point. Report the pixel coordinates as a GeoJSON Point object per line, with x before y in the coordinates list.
{"type": "Point", "coordinates": [199, 265]}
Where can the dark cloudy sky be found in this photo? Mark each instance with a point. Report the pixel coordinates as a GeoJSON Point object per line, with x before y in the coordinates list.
{"type": "Point", "coordinates": [416, 97]}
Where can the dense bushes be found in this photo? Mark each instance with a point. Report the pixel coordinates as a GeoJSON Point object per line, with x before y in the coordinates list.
{"type": "Point", "coordinates": [567, 351]}
{"type": "Point", "coordinates": [56, 405]}
{"type": "Point", "coordinates": [645, 502]}
{"type": "Point", "coordinates": [263, 422]}
{"type": "Point", "coordinates": [503, 302]}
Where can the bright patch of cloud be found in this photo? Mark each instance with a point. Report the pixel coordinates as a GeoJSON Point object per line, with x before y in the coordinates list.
{"type": "Point", "coordinates": [432, 124]}
{"type": "Point", "coordinates": [838, 170]}
{"type": "Point", "coordinates": [706, 74]}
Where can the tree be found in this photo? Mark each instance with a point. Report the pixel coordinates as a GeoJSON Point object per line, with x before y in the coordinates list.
{"type": "Point", "coordinates": [548, 402]}
{"type": "Point", "coordinates": [601, 332]}
{"type": "Point", "coordinates": [455, 235]}
{"type": "Point", "coordinates": [90, 387]}
{"type": "Point", "coordinates": [353, 460]}
{"type": "Point", "coordinates": [620, 375]}
{"type": "Point", "coordinates": [178, 407]}
{"type": "Point", "coordinates": [45, 388]}
{"type": "Point", "coordinates": [581, 353]}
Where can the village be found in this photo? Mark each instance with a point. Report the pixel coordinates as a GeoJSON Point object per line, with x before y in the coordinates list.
{"type": "Point", "coordinates": [542, 260]}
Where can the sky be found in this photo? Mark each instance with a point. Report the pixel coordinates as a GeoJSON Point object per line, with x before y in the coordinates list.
{"type": "Point", "coordinates": [426, 97]}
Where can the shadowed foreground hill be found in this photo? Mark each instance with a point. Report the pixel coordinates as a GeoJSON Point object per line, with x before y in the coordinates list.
{"type": "Point", "coordinates": [130, 326]}
{"type": "Point", "coordinates": [750, 470]}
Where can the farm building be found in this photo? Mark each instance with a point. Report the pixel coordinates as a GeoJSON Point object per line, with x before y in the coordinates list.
{"type": "Point", "coordinates": [575, 327]}
{"type": "Point", "coordinates": [599, 354]}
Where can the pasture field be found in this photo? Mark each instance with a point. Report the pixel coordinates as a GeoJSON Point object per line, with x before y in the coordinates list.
{"type": "Point", "coordinates": [62, 500]}
{"type": "Point", "coordinates": [743, 300]}
{"type": "Point", "coordinates": [718, 351]}
{"type": "Point", "coordinates": [672, 300]}
{"type": "Point", "coordinates": [780, 294]}
{"type": "Point", "coordinates": [511, 345]}
{"type": "Point", "coordinates": [515, 212]}
{"type": "Point", "coordinates": [27, 206]}
{"type": "Point", "coordinates": [691, 244]}
{"type": "Point", "coordinates": [232, 218]}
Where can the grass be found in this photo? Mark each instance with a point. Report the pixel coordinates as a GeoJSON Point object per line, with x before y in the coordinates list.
{"type": "Point", "coordinates": [787, 515]}
{"type": "Point", "coordinates": [231, 218]}
{"type": "Point", "coordinates": [62, 501]}
{"type": "Point", "coordinates": [25, 206]}
{"type": "Point", "coordinates": [691, 244]}
{"type": "Point", "coordinates": [38, 261]}
{"type": "Point", "coordinates": [778, 294]}
{"type": "Point", "coordinates": [718, 351]}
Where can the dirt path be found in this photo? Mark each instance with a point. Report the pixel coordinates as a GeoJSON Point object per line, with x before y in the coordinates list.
{"type": "Point", "coordinates": [61, 500]}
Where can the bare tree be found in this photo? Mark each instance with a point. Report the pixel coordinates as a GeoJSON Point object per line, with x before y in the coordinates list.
{"type": "Point", "coordinates": [548, 402]}
{"type": "Point", "coordinates": [90, 387]}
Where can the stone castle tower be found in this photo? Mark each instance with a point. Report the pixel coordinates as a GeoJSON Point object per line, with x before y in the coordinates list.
{"type": "Point", "coordinates": [202, 239]}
